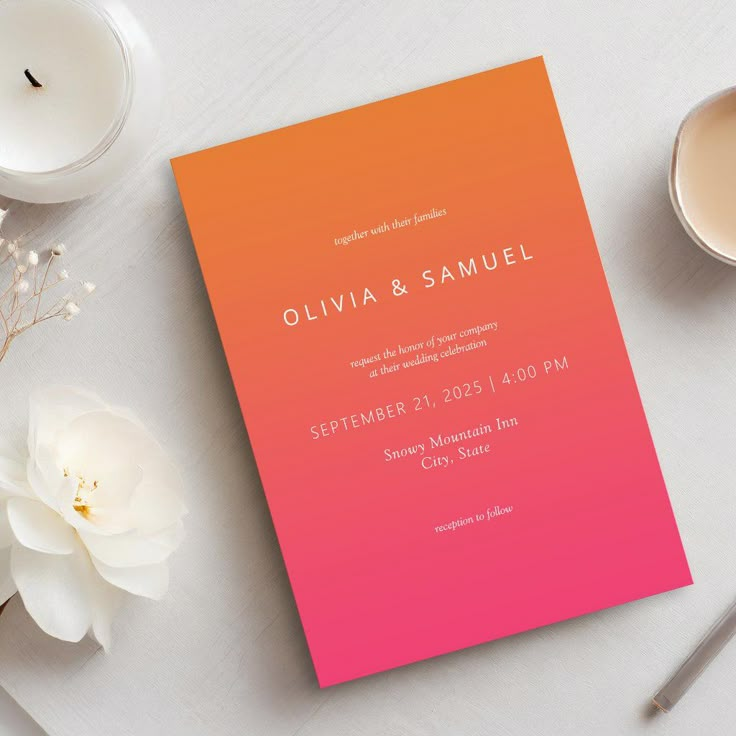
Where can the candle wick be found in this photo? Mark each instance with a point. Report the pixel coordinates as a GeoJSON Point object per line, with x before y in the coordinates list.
{"type": "Point", "coordinates": [32, 79]}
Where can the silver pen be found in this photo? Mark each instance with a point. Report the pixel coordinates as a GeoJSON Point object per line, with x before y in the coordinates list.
{"type": "Point", "coordinates": [717, 638]}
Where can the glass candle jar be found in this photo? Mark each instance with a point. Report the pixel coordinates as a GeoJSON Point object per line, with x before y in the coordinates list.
{"type": "Point", "coordinates": [80, 96]}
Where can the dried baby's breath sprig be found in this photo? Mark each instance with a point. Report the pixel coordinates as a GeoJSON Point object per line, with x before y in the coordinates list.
{"type": "Point", "coordinates": [27, 279]}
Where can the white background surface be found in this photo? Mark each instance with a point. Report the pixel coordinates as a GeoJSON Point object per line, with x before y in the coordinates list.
{"type": "Point", "coordinates": [224, 654]}
{"type": "Point", "coordinates": [13, 720]}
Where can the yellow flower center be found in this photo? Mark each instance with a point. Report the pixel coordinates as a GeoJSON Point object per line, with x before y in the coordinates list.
{"type": "Point", "coordinates": [84, 494]}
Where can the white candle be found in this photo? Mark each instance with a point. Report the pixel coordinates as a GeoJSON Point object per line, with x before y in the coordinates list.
{"type": "Point", "coordinates": [79, 96]}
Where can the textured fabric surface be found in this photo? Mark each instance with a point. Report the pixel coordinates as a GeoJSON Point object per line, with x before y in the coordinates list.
{"type": "Point", "coordinates": [224, 653]}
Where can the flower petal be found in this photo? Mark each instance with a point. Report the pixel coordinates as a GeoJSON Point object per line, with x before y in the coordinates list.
{"type": "Point", "coordinates": [6, 533]}
{"type": "Point", "coordinates": [13, 479]}
{"type": "Point", "coordinates": [7, 586]}
{"type": "Point", "coordinates": [39, 528]}
{"type": "Point", "coordinates": [149, 581]}
{"type": "Point", "coordinates": [157, 502]}
{"type": "Point", "coordinates": [89, 522]}
{"type": "Point", "coordinates": [156, 506]}
{"type": "Point", "coordinates": [106, 600]}
{"type": "Point", "coordinates": [55, 590]}
{"type": "Point", "coordinates": [136, 485]}
{"type": "Point", "coordinates": [11, 482]}
{"type": "Point", "coordinates": [45, 476]}
{"type": "Point", "coordinates": [130, 549]}
{"type": "Point", "coordinates": [109, 449]}
{"type": "Point", "coordinates": [52, 408]}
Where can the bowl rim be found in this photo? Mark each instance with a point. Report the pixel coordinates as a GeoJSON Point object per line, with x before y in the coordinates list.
{"type": "Point", "coordinates": [674, 187]}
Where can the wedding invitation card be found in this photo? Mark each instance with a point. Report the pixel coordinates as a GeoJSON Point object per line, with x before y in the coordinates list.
{"type": "Point", "coordinates": [431, 372]}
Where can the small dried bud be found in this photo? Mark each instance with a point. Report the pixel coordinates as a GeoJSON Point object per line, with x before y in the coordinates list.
{"type": "Point", "coordinates": [30, 290]}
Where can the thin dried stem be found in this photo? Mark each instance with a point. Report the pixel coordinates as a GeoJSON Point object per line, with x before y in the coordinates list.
{"type": "Point", "coordinates": [18, 312]}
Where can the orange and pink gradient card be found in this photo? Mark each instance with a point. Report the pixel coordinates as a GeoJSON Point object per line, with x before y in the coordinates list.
{"type": "Point", "coordinates": [431, 372]}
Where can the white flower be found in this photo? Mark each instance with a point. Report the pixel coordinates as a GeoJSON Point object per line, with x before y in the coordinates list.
{"type": "Point", "coordinates": [88, 287]}
{"type": "Point", "coordinates": [12, 247]}
{"type": "Point", "coordinates": [32, 258]}
{"type": "Point", "coordinates": [63, 275]}
{"type": "Point", "coordinates": [22, 286]}
{"type": "Point", "coordinates": [71, 309]}
{"type": "Point", "coordinates": [58, 250]}
{"type": "Point", "coordinates": [93, 512]}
